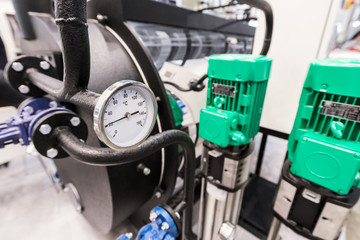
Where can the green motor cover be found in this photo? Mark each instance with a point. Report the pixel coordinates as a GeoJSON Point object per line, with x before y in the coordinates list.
{"type": "Point", "coordinates": [176, 109]}
{"type": "Point", "coordinates": [235, 98]}
{"type": "Point", "coordinates": [324, 145]}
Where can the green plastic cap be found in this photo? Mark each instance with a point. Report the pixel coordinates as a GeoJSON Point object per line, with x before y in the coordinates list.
{"type": "Point", "coordinates": [335, 76]}
{"type": "Point", "coordinates": [240, 67]}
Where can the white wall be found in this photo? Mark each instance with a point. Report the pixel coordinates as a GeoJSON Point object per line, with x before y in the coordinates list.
{"type": "Point", "coordinates": [302, 32]}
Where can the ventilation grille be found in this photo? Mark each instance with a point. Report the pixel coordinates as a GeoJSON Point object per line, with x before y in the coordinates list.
{"type": "Point", "coordinates": [248, 101]}
{"type": "Point", "coordinates": [320, 123]}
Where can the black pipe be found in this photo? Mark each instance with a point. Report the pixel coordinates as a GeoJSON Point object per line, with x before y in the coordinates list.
{"type": "Point", "coordinates": [83, 98]}
{"type": "Point", "coordinates": [108, 157]}
{"type": "Point", "coordinates": [269, 17]}
{"type": "Point", "coordinates": [71, 18]}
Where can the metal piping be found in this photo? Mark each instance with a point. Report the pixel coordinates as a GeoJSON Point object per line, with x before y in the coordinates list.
{"type": "Point", "coordinates": [108, 157]}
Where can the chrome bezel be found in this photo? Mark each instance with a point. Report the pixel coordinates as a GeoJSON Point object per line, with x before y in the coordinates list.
{"type": "Point", "coordinates": [100, 108]}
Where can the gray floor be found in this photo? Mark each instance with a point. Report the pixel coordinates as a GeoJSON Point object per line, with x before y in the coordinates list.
{"type": "Point", "coordinates": [32, 207]}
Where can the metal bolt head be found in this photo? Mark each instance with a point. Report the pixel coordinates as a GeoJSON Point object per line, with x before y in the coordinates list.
{"type": "Point", "coordinates": [45, 65]}
{"type": "Point", "coordinates": [158, 195]}
{"type": "Point", "coordinates": [52, 152]}
{"type": "Point", "coordinates": [129, 235]}
{"type": "Point", "coordinates": [101, 18]}
{"type": "Point", "coordinates": [24, 89]}
{"type": "Point", "coordinates": [227, 231]}
{"type": "Point", "coordinates": [153, 216]}
{"type": "Point", "coordinates": [45, 129]}
{"type": "Point", "coordinates": [146, 171]}
{"type": "Point", "coordinates": [53, 104]}
{"type": "Point", "coordinates": [165, 226]}
{"type": "Point", "coordinates": [75, 121]}
{"type": "Point", "coordinates": [29, 110]}
{"type": "Point", "coordinates": [18, 67]}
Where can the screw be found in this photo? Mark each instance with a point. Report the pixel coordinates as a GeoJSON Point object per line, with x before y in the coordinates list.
{"type": "Point", "coordinates": [29, 110]}
{"type": "Point", "coordinates": [165, 226]}
{"type": "Point", "coordinates": [45, 129]}
{"type": "Point", "coordinates": [357, 155]}
{"type": "Point", "coordinates": [44, 65]}
{"type": "Point", "coordinates": [18, 67]}
{"type": "Point", "coordinates": [153, 216]}
{"type": "Point", "coordinates": [142, 168]}
{"type": "Point", "coordinates": [324, 86]}
{"type": "Point", "coordinates": [146, 171]}
{"type": "Point", "coordinates": [53, 104]}
{"type": "Point", "coordinates": [129, 235]}
{"type": "Point", "coordinates": [101, 18]}
{"type": "Point", "coordinates": [75, 121]}
{"type": "Point", "coordinates": [24, 89]}
{"type": "Point", "coordinates": [158, 194]}
{"type": "Point", "coordinates": [52, 152]}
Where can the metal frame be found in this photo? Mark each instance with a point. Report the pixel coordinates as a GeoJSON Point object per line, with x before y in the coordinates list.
{"type": "Point", "coordinates": [166, 14]}
{"type": "Point", "coordinates": [266, 132]}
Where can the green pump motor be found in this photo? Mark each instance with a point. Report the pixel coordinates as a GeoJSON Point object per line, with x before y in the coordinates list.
{"type": "Point", "coordinates": [324, 145]}
{"type": "Point", "coordinates": [236, 91]}
{"type": "Point", "coordinates": [319, 183]}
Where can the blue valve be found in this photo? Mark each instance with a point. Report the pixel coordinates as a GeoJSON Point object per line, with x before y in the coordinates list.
{"type": "Point", "coordinates": [18, 128]}
{"type": "Point", "coordinates": [162, 227]}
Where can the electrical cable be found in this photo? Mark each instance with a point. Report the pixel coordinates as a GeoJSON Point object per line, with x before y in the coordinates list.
{"type": "Point", "coordinates": [269, 18]}
{"type": "Point", "coordinates": [196, 85]}
{"type": "Point", "coordinates": [231, 3]}
{"type": "Point", "coordinates": [177, 86]}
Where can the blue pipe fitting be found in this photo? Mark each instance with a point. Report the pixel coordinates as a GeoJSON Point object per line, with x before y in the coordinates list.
{"type": "Point", "coordinates": [162, 227]}
{"type": "Point", "coordinates": [18, 128]}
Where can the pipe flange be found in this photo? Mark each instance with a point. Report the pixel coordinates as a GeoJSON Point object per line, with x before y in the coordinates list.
{"type": "Point", "coordinates": [15, 74]}
{"type": "Point", "coordinates": [41, 129]}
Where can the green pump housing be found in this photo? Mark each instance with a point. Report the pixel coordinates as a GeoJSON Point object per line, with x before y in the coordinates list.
{"type": "Point", "coordinates": [235, 97]}
{"type": "Point", "coordinates": [324, 145]}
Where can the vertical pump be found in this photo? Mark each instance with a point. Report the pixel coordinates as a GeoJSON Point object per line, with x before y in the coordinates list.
{"type": "Point", "coordinates": [236, 91]}
{"type": "Point", "coordinates": [320, 183]}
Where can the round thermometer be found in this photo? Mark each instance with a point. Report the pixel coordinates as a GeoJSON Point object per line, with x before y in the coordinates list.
{"type": "Point", "coordinates": [125, 114]}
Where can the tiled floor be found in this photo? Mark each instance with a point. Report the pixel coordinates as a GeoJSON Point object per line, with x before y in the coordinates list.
{"type": "Point", "coordinates": [31, 207]}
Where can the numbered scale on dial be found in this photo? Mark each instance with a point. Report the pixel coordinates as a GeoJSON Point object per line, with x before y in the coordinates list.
{"type": "Point", "coordinates": [125, 114]}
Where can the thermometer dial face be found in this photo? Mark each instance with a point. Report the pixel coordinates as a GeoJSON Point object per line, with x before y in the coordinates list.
{"type": "Point", "coordinates": [125, 114]}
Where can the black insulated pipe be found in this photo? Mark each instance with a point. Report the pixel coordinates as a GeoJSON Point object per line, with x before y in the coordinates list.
{"type": "Point", "coordinates": [83, 98]}
{"type": "Point", "coordinates": [71, 18]}
{"type": "Point", "coordinates": [72, 23]}
{"type": "Point", "coordinates": [108, 157]}
{"type": "Point", "coordinates": [269, 17]}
